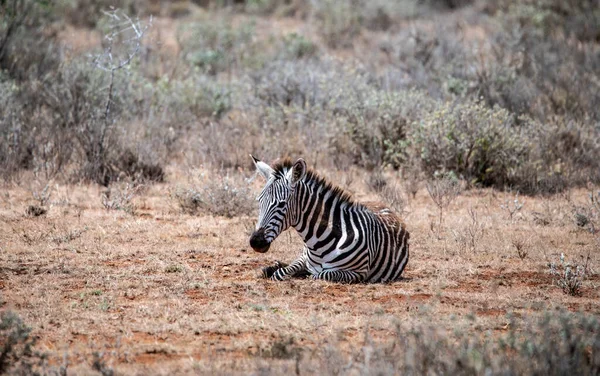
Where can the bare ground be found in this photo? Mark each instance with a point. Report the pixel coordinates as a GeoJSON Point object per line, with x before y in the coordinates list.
{"type": "Point", "coordinates": [159, 291]}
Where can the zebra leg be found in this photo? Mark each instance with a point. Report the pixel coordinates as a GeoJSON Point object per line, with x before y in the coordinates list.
{"type": "Point", "coordinates": [341, 276]}
{"type": "Point", "coordinates": [295, 269]}
{"type": "Point", "coordinates": [267, 271]}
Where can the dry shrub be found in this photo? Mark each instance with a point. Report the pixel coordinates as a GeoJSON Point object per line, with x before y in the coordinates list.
{"type": "Point", "coordinates": [587, 215]}
{"type": "Point", "coordinates": [469, 234]}
{"type": "Point", "coordinates": [119, 196]}
{"type": "Point", "coordinates": [225, 196]}
{"type": "Point", "coordinates": [28, 45]}
{"type": "Point", "coordinates": [70, 121]}
{"type": "Point", "coordinates": [544, 58]}
{"type": "Point", "coordinates": [443, 190]}
{"type": "Point", "coordinates": [521, 247]}
{"type": "Point", "coordinates": [390, 193]}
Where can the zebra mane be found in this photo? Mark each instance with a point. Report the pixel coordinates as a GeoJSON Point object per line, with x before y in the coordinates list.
{"type": "Point", "coordinates": [282, 166]}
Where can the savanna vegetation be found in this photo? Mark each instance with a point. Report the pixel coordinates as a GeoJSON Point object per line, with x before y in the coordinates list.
{"type": "Point", "coordinates": [128, 193]}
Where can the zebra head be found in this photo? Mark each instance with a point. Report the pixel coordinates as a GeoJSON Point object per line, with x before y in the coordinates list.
{"type": "Point", "coordinates": [275, 202]}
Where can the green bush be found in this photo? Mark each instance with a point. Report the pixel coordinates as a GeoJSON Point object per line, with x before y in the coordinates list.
{"type": "Point", "coordinates": [196, 97]}
{"type": "Point", "coordinates": [379, 126]}
{"type": "Point", "coordinates": [297, 46]}
{"type": "Point", "coordinates": [481, 144]}
{"type": "Point", "coordinates": [337, 22]}
{"type": "Point", "coordinates": [215, 45]}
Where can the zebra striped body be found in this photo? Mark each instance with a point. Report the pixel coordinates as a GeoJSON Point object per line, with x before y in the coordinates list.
{"type": "Point", "coordinates": [345, 241]}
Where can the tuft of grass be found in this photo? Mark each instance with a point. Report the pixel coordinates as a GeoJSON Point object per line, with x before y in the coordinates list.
{"type": "Point", "coordinates": [173, 268]}
{"type": "Point", "coordinates": [119, 196]}
{"type": "Point", "coordinates": [35, 211]}
{"type": "Point", "coordinates": [521, 248]}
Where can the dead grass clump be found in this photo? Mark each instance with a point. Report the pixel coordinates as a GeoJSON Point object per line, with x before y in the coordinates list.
{"type": "Point", "coordinates": [119, 196]}
{"type": "Point", "coordinates": [521, 247]}
{"type": "Point", "coordinates": [587, 216]}
{"type": "Point", "coordinates": [283, 348]}
{"type": "Point", "coordinates": [469, 234]}
{"type": "Point", "coordinates": [222, 196]}
{"type": "Point", "coordinates": [35, 211]}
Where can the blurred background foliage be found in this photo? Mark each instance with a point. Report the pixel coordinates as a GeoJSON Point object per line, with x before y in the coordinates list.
{"type": "Point", "coordinates": [499, 93]}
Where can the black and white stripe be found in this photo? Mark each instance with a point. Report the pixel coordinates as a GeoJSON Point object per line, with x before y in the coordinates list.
{"type": "Point", "coordinates": [345, 241]}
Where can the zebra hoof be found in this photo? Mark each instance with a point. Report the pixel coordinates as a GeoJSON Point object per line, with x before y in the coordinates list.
{"type": "Point", "coordinates": [268, 271]}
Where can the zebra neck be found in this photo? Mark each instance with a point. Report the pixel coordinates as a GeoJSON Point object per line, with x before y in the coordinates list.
{"type": "Point", "coordinates": [310, 207]}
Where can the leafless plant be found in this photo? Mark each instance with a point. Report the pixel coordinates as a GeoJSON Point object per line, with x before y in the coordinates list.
{"type": "Point", "coordinates": [412, 184]}
{"type": "Point", "coordinates": [42, 196]}
{"type": "Point", "coordinates": [120, 197]}
{"type": "Point", "coordinates": [393, 197]}
{"type": "Point", "coordinates": [121, 23]}
{"type": "Point", "coordinates": [122, 43]}
{"type": "Point", "coordinates": [512, 207]}
{"type": "Point", "coordinates": [443, 191]}
{"type": "Point", "coordinates": [587, 216]}
{"type": "Point", "coordinates": [469, 235]}
{"type": "Point", "coordinates": [376, 181]}
{"type": "Point", "coordinates": [413, 178]}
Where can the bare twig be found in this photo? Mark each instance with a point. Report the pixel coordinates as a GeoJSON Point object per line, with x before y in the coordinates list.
{"type": "Point", "coordinates": [107, 62]}
{"type": "Point", "coordinates": [443, 191]}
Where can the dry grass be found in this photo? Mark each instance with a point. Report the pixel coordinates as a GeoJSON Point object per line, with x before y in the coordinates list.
{"type": "Point", "coordinates": [160, 291]}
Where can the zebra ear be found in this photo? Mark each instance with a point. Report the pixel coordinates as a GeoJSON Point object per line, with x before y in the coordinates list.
{"type": "Point", "coordinates": [298, 171]}
{"type": "Point", "coordinates": [264, 169]}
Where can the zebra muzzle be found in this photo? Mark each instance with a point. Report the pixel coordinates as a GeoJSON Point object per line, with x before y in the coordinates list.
{"type": "Point", "coordinates": [258, 241]}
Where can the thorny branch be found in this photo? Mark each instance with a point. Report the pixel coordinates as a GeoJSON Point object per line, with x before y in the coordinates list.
{"type": "Point", "coordinates": [122, 24]}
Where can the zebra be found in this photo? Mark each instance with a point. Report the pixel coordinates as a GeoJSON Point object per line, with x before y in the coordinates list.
{"type": "Point", "coordinates": [344, 241]}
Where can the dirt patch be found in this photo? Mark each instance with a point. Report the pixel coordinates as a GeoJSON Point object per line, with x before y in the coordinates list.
{"type": "Point", "coordinates": [148, 298]}
{"type": "Point", "coordinates": [491, 312]}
